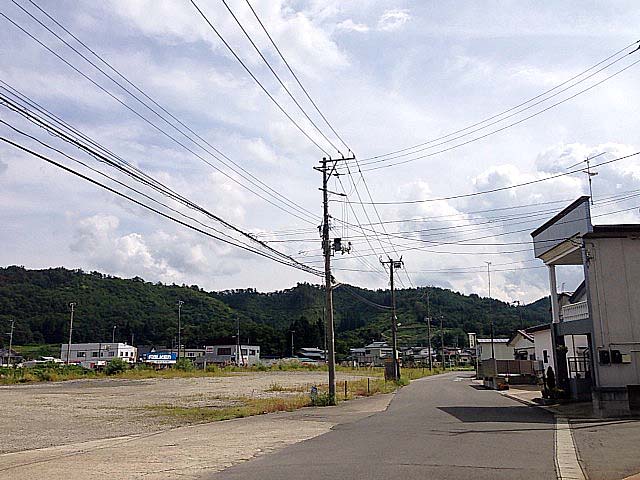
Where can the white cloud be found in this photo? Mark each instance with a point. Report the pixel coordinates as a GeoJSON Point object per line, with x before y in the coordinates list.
{"type": "Point", "coordinates": [352, 26]}
{"type": "Point", "coordinates": [392, 20]}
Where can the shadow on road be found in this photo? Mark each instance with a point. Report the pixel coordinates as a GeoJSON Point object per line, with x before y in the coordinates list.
{"type": "Point", "coordinates": [511, 414]}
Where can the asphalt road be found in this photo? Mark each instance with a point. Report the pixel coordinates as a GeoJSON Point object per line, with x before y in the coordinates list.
{"type": "Point", "coordinates": [441, 427]}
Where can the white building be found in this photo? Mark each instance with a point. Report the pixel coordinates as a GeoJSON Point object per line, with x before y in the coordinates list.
{"type": "Point", "coordinates": [92, 355]}
{"type": "Point", "coordinates": [500, 346]}
{"type": "Point", "coordinates": [229, 354]}
{"type": "Point", "coordinates": [523, 346]}
{"type": "Point", "coordinates": [604, 309]}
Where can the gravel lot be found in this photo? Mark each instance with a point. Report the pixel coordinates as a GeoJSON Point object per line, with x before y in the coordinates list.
{"type": "Point", "coordinates": [49, 414]}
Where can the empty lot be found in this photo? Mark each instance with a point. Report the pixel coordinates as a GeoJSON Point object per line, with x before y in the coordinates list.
{"type": "Point", "coordinates": [60, 413]}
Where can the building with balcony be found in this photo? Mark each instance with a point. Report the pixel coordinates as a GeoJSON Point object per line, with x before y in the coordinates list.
{"type": "Point", "coordinates": [595, 332]}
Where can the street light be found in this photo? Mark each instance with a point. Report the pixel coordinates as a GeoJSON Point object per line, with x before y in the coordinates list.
{"type": "Point", "coordinates": [113, 334]}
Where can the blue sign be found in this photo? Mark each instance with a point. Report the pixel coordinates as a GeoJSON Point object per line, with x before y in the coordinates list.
{"type": "Point", "coordinates": [162, 357]}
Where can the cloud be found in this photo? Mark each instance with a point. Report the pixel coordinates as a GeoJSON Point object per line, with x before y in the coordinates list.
{"type": "Point", "coordinates": [392, 20]}
{"type": "Point", "coordinates": [351, 26]}
{"type": "Point", "coordinates": [3, 167]}
{"type": "Point", "coordinates": [174, 257]}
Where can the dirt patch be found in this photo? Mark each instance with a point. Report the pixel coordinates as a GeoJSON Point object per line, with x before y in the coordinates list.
{"type": "Point", "coordinates": [51, 414]}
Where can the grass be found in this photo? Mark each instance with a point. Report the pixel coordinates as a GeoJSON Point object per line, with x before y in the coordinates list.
{"type": "Point", "coordinates": [57, 373]}
{"type": "Point", "coordinates": [245, 407]}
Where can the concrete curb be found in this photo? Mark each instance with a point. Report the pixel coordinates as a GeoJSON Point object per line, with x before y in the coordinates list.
{"type": "Point", "coordinates": [566, 459]}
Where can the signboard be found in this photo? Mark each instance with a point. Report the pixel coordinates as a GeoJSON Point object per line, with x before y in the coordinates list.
{"type": "Point", "coordinates": [162, 357]}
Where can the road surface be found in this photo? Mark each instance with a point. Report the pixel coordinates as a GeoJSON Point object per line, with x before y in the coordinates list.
{"type": "Point", "coordinates": [442, 427]}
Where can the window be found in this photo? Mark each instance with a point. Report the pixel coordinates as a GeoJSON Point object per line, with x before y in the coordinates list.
{"type": "Point", "coordinates": [545, 356]}
{"type": "Point", "coordinates": [111, 354]}
{"type": "Point", "coordinates": [81, 354]}
{"type": "Point", "coordinates": [122, 354]}
{"type": "Point", "coordinates": [94, 354]}
{"type": "Point", "coordinates": [244, 351]}
{"type": "Point", "coordinates": [252, 352]}
{"type": "Point", "coordinates": [224, 351]}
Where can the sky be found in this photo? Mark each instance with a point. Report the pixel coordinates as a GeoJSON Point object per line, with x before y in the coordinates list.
{"type": "Point", "coordinates": [387, 75]}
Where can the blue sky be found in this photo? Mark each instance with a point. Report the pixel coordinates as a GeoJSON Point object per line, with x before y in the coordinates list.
{"type": "Point", "coordinates": [387, 75]}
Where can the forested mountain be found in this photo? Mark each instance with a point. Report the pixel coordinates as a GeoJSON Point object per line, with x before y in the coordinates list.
{"type": "Point", "coordinates": [39, 302]}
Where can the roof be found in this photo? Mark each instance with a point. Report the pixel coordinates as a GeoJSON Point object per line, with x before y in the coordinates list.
{"type": "Point", "coordinates": [539, 328]}
{"type": "Point", "coordinates": [523, 333]}
{"type": "Point", "coordinates": [614, 230]}
{"type": "Point", "coordinates": [578, 293]}
{"type": "Point", "coordinates": [378, 345]}
{"type": "Point", "coordinates": [558, 216]}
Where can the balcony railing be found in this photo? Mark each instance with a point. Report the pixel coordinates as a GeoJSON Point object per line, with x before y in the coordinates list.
{"type": "Point", "coordinates": [575, 311]}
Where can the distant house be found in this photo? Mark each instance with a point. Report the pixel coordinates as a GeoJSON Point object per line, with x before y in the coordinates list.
{"type": "Point", "coordinates": [91, 355]}
{"type": "Point", "coordinates": [311, 353]}
{"type": "Point", "coordinates": [229, 355]}
{"type": "Point", "coordinates": [9, 357]}
{"type": "Point", "coordinates": [192, 353]}
{"type": "Point", "coordinates": [523, 346]}
{"type": "Point", "coordinates": [357, 356]}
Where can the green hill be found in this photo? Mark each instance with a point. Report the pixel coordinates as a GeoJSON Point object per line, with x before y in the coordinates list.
{"type": "Point", "coordinates": [38, 300]}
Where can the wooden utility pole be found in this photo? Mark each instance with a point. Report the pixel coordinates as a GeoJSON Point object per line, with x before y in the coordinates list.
{"type": "Point", "coordinates": [393, 264]}
{"type": "Point", "coordinates": [429, 331]}
{"type": "Point", "coordinates": [493, 351]}
{"type": "Point", "coordinates": [442, 341]}
{"type": "Point", "coordinates": [10, 343]}
{"type": "Point", "coordinates": [180, 303]}
{"type": "Point", "coordinates": [73, 306]}
{"type": "Point", "coordinates": [327, 168]}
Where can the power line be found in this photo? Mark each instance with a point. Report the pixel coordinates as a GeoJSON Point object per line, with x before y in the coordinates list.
{"type": "Point", "coordinates": [417, 248]}
{"type": "Point", "coordinates": [499, 129]}
{"type": "Point", "coordinates": [95, 170]}
{"type": "Point", "coordinates": [275, 74]}
{"type": "Point", "coordinates": [262, 87]}
{"type": "Point", "coordinates": [293, 263]}
{"type": "Point", "coordinates": [156, 185]}
{"type": "Point", "coordinates": [296, 77]}
{"type": "Point", "coordinates": [252, 180]}
{"type": "Point", "coordinates": [499, 189]}
{"type": "Point", "coordinates": [500, 114]}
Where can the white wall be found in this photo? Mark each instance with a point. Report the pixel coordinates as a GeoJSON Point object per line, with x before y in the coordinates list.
{"type": "Point", "coordinates": [614, 283]}
{"type": "Point", "coordinates": [542, 342]}
{"type": "Point", "coordinates": [502, 351]}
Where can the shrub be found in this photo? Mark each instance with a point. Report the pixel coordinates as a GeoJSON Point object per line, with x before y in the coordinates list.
{"type": "Point", "coordinates": [321, 399]}
{"type": "Point", "coordinates": [184, 364]}
{"type": "Point", "coordinates": [115, 366]}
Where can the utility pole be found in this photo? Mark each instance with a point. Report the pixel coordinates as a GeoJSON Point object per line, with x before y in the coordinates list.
{"type": "Point", "coordinates": [292, 349]}
{"type": "Point", "coordinates": [10, 343]}
{"type": "Point", "coordinates": [180, 303]}
{"type": "Point", "coordinates": [327, 168]}
{"type": "Point", "coordinates": [239, 358]}
{"type": "Point", "coordinates": [72, 305]}
{"type": "Point", "coordinates": [516, 303]}
{"type": "Point", "coordinates": [444, 365]}
{"type": "Point", "coordinates": [429, 331]}
{"type": "Point", "coordinates": [393, 264]}
{"type": "Point", "coordinates": [493, 352]}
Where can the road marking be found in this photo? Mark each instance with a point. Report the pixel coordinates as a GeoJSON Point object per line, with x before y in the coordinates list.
{"type": "Point", "coordinates": [567, 465]}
